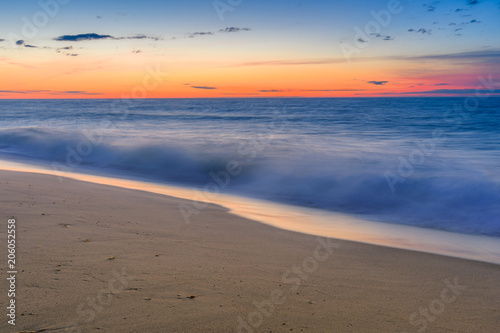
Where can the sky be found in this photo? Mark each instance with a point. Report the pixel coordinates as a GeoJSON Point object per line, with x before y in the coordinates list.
{"type": "Point", "coordinates": [243, 48]}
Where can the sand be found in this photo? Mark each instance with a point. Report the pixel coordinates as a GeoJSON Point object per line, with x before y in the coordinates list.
{"type": "Point", "coordinates": [98, 258]}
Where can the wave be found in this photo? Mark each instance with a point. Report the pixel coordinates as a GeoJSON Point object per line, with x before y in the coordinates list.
{"type": "Point", "coordinates": [459, 198]}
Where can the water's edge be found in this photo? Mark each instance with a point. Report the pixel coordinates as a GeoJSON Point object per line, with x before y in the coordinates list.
{"type": "Point", "coordinates": [306, 221]}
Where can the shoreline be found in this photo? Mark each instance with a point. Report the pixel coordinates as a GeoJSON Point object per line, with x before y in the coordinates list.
{"type": "Point", "coordinates": [100, 258]}
{"type": "Point", "coordinates": [307, 221]}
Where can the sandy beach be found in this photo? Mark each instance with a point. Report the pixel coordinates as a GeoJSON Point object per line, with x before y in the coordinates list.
{"type": "Point", "coordinates": [97, 258]}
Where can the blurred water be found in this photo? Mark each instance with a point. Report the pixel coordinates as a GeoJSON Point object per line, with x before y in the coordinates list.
{"type": "Point", "coordinates": [427, 162]}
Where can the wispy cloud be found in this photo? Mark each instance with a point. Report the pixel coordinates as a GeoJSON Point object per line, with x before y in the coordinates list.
{"type": "Point", "coordinates": [197, 34]}
{"type": "Point", "coordinates": [453, 92]}
{"type": "Point", "coordinates": [203, 87]}
{"type": "Point", "coordinates": [294, 62]}
{"type": "Point", "coordinates": [421, 30]}
{"type": "Point", "coordinates": [51, 92]}
{"type": "Point", "coordinates": [94, 36]}
{"type": "Point", "coordinates": [210, 33]}
{"type": "Point", "coordinates": [492, 55]}
{"type": "Point", "coordinates": [383, 37]}
{"type": "Point", "coordinates": [272, 91]}
{"type": "Point", "coordinates": [442, 84]}
{"type": "Point", "coordinates": [331, 90]}
{"type": "Point", "coordinates": [234, 29]}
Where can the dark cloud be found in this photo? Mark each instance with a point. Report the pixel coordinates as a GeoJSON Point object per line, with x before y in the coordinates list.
{"type": "Point", "coordinates": [94, 36]}
{"type": "Point", "coordinates": [234, 29]}
{"type": "Point", "coordinates": [442, 84]}
{"type": "Point", "coordinates": [421, 30]}
{"type": "Point", "coordinates": [80, 37]}
{"type": "Point", "coordinates": [203, 87]}
{"type": "Point", "coordinates": [2, 40]}
{"type": "Point", "coordinates": [384, 37]}
{"type": "Point", "coordinates": [474, 21]}
{"type": "Point", "coordinates": [472, 2]}
{"type": "Point", "coordinates": [361, 40]}
{"type": "Point", "coordinates": [23, 43]}
{"type": "Point", "coordinates": [197, 34]}
{"type": "Point", "coordinates": [72, 54]}
{"type": "Point", "coordinates": [378, 83]}
{"type": "Point", "coordinates": [272, 91]}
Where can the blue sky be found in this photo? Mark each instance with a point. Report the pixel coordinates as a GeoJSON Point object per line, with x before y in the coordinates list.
{"type": "Point", "coordinates": [180, 33]}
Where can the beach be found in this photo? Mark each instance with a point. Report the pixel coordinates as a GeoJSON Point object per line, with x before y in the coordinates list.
{"type": "Point", "coordinates": [99, 258]}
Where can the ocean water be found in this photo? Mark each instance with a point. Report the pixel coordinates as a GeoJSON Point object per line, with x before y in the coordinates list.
{"type": "Point", "coordinates": [427, 162]}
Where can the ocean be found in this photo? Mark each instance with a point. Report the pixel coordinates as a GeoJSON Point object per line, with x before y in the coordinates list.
{"type": "Point", "coordinates": [426, 162]}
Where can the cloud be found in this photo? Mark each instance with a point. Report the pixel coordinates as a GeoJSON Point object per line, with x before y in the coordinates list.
{"type": "Point", "coordinates": [453, 92]}
{"type": "Point", "coordinates": [234, 29]}
{"type": "Point", "coordinates": [94, 36]}
{"type": "Point", "coordinates": [76, 92]}
{"type": "Point", "coordinates": [196, 34]}
{"type": "Point", "coordinates": [306, 90]}
{"type": "Point", "coordinates": [51, 92]}
{"type": "Point", "coordinates": [30, 46]}
{"type": "Point", "coordinates": [295, 62]}
{"type": "Point", "coordinates": [2, 40]}
{"type": "Point", "coordinates": [64, 48]}
{"type": "Point", "coordinates": [12, 92]}
{"type": "Point", "coordinates": [80, 37]}
{"type": "Point", "coordinates": [472, 2]}
{"type": "Point", "coordinates": [442, 84]}
{"type": "Point", "coordinates": [492, 55]}
{"type": "Point", "coordinates": [384, 37]}
{"type": "Point", "coordinates": [138, 37]}
{"type": "Point", "coordinates": [20, 42]}
{"type": "Point", "coordinates": [209, 33]}
{"type": "Point", "coordinates": [378, 83]}
{"type": "Point", "coordinates": [332, 90]}
{"type": "Point", "coordinates": [421, 30]}
{"type": "Point", "coordinates": [203, 87]}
